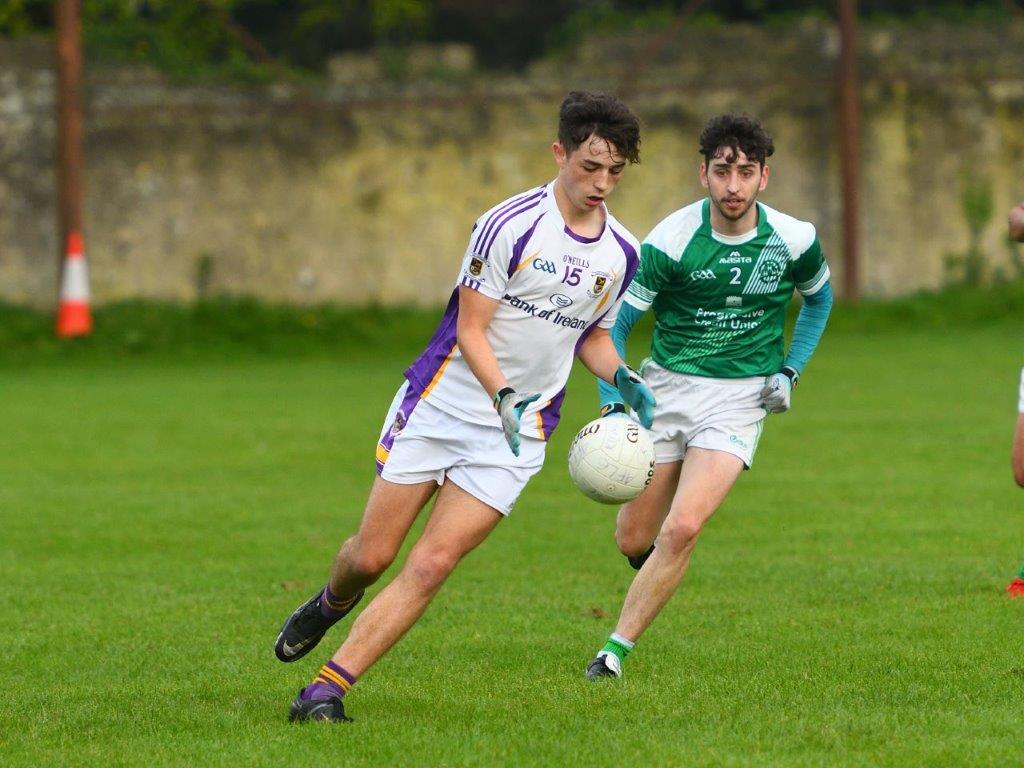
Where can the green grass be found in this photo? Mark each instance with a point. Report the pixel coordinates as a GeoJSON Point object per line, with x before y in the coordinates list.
{"type": "Point", "coordinates": [164, 506]}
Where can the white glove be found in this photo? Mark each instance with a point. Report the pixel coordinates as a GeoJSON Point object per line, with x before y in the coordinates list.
{"type": "Point", "coordinates": [778, 389]}
{"type": "Point", "coordinates": [510, 406]}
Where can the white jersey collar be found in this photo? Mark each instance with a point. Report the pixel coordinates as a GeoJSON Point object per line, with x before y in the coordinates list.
{"type": "Point", "coordinates": [559, 221]}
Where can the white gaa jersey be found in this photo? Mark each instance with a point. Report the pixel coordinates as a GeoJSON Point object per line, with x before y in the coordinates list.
{"type": "Point", "coordinates": [553, 286]}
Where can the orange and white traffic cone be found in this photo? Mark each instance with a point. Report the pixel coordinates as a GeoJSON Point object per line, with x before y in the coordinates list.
{"type": "Point", "coordinates": [74, 317]}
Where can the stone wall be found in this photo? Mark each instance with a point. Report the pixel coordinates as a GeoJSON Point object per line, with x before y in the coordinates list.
{"type": "Point", "coordinates": [364, 191]}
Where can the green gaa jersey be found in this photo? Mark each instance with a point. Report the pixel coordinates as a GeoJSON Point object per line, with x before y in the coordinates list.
{"type": "Point", "coordinates": [720, 302]}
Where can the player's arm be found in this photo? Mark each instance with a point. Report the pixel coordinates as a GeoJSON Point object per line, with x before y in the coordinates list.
{"type": "Point", "coordinates": [1016, 223]}
{"type": "Point", "coordinates": [1018, 438]}
{"type": "Point", "coordinates": [812, 280]}
{"type": "Point", "coordinates": [602, 359]}
{"type": "Point", "coordinates": [475, 314]}
{"type": "Point", "coordinates": [611, 400]}
{"type": "Point", "coordinates": [810, 325]}
{"type": "Point", "coordinates": [656, 269]}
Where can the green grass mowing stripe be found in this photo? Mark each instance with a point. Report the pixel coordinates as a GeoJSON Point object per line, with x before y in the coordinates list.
{"type": "Point", "coordinates": [844, 608]}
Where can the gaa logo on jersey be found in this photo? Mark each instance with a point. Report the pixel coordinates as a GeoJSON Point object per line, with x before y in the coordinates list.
{"type": "Point", "coordinates": [601, 281]}
{"type": "Point", "coordinates": [476, 266]}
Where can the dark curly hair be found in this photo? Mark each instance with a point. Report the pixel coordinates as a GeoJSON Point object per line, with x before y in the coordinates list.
{"type": "Point", "coordinates": [584, 114]}
{"type": "Point", "coordinates": [737, 133]}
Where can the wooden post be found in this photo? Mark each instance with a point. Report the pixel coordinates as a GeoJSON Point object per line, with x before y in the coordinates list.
{"type": "Point", "coordinates": [70, 158]}
{"type": "Point", "coordinates": [849, 146]}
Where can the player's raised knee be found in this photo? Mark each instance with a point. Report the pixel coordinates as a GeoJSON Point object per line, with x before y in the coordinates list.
{"type": "Point", "coordinates": [371, 561]}
{"type": "Point", "coordinates": [678, 536]}
{"type": "Point", "coordinates": [632, 540]}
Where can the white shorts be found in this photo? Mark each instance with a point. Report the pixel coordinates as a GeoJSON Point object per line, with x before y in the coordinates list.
{"type": "Point", "coordinates": [701, 412]}
{"type": "Point", "coordinates": [420, 442]}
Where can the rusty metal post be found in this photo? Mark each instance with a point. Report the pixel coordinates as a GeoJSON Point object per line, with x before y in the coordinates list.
{"type": "Point", "coordinates": [70, 158]}
{"type": "Point", "coordinates": [849, 146]}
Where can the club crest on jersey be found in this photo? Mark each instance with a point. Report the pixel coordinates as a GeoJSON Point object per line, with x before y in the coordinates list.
{"type": "Point", "coordinates": [601, 281]}
{"type": "Point", "coordinates": [399, 423]}
{"type": "Point", "coordinates": [476, 266]}
{"type": "Point", "coordinates": [771, 271]}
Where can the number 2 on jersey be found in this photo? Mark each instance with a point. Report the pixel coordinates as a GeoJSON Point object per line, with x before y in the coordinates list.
{"type": "Point", "coordinates": [736, 272]}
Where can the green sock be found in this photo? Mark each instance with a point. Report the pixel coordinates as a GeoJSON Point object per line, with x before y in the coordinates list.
{"type": "Point", "coordinates": [618, 645]}
{"type": "Point", "coordinates": [1020, 573]}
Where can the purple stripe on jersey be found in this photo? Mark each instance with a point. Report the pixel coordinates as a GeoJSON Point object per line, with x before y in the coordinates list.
{"type": "Point", "coordinates": [412, 397]}
{"type": "Point", "coordinates": [581, 238]}
{"type": "Point", "coordinates": [632, 262]}
{"type": "Point", "coordinates": [508, 217]}
{"type": "Point", "coordinates": [551, 413]}
{"type": "Point", "coordinates": [518, 199]}
{"type": "Point", "coordinates": [470, 283]}
{"type": "Point", "coordinates": [520, 246]}
{"type": "Point", "coordinates": [423, 368]}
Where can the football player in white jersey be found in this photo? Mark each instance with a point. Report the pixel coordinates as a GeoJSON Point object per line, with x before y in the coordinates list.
{"type": "Point", "coordinates": [541, 282]}
{"type": "Point", "coordinates": [1016, 229]}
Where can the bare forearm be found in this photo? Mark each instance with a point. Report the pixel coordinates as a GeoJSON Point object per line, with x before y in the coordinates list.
{"type": "Point", "coordinates": [1018, 451]}
{"type": "Point", "coordinates": [479, 355]}
{"type": "Point", "coordinates": [599, 355]}
{"type": "Point", "coordinates": [1016, 223]}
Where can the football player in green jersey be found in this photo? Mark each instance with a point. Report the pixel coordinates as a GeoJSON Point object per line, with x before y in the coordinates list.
{"type": "Point", "coordinates": [1016, 229]}
{"type": "Point", "coordinates": [719, 275]}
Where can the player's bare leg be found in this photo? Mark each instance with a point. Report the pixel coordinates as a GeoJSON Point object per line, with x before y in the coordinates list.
{"type": "Point", "coordinates": [1016, 587]}
{"type": "Point", "coordinates": [639, 520]}
{"type": "Point", "coordinates": [704, 481]}
{"type": "Point", "coordinates": [390, 512]}
{"type": "Point", "coordinates": [458, 523]}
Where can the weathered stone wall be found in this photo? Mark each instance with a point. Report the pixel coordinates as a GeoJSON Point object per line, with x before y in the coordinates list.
{"type": "Point", "coordinates": [365, 192]}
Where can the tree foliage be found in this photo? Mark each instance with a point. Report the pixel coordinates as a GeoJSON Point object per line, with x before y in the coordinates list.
{"type": "Point", "coordinates": [190, 36]}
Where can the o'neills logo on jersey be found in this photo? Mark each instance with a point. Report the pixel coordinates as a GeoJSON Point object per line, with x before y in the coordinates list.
{"type": "Point", "coordinates": [476, 266]}
{"type": "Point", "coordinates": [736, 258]}
{"type": "Point", "coordinates": [552, 315]}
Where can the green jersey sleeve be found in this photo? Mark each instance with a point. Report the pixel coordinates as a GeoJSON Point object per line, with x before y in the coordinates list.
{"type": "Point", "coordinates": [810, 271]}
{"type": "Point", "coordinates": [656, 270]}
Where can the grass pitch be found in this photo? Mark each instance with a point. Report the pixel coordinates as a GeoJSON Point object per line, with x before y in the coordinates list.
{"type": "Point", "coordinates": [160, 517]}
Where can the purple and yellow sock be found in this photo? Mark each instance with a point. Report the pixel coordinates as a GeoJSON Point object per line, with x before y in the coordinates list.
{"type": "Point", "coordinates": [331, 682]}
{"type": "Point", "coordinates": [333, 606]}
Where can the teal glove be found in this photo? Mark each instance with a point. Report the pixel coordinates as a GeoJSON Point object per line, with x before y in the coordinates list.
{"type": "Point", "coordinates": [510, 406]}
{"type": "Point", "coordinates": [636, 393]}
